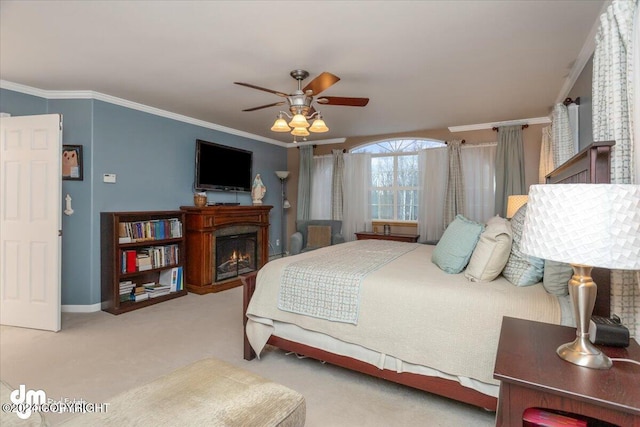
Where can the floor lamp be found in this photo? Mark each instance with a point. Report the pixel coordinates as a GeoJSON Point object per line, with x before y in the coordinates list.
{"type": "Point", "coordinates": [283, 175]}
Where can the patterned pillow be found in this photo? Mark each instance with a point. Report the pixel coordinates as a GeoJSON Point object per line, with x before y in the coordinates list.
{"type": "Point", "coordinates": [492, 251]}
{"type": "Point", "coordinates": [454, 249]}
{"type": "Point", "coordinates": [522, 269]}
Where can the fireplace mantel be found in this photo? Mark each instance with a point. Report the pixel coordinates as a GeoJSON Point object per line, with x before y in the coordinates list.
{"type": "Point", "coordinates": [203, 225]}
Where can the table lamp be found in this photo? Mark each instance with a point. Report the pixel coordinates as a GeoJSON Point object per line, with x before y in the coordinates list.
{"type": "Point", "coordinates": [585, 225]}
{"type": "Point", "coordinates": [514, 202]}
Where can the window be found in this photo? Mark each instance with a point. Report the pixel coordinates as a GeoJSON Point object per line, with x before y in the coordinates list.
{"type": "Point", "coordinates": [394, 177]}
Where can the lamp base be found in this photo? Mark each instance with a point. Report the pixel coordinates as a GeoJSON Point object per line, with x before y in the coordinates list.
{"type": "Point", "coordinates": [582, 353]}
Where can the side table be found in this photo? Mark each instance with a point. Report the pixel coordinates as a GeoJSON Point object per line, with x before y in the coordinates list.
{"type": "Point", "coordinates": [533, 376]}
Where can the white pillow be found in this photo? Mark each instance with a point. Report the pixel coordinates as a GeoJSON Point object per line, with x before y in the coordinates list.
{"type": "Point", "coordinates": [492, 251]}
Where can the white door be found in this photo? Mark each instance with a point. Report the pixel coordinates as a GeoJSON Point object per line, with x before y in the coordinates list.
{"type": "Point", "coordinates": [30, 221]}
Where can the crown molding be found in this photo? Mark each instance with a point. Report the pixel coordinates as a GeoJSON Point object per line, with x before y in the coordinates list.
{"type": "Point", "coordinates": [89, 94]}
{"type": "Point", "coordinates": [583, 57]}
{"type": "Point", "coordinates": [483, 126]}
{"type": "Point", "coordinates": [578, 66]}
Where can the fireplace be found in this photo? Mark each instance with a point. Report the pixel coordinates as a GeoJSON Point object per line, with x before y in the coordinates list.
{"type": "Point", "coordinates": [235, 255]}
{"type": "Point", "coordinates": [222, 244]}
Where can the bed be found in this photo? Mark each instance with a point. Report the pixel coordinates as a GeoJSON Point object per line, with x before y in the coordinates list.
{"type": "Point", "coordinates": [396, 331]}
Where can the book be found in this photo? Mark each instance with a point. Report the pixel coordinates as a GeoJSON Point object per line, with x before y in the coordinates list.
{"type": "Point", "coordinates": [126, 287]}
{"type": "Point", "coordinates": [131, 261]}
{"type": "Point", "coordinates": [180, 284]}
{"type": "Point", "coordinates": [139, 290]}
{"type": "Point", "coordinates": [170, 278]}
{"type": "Point", "coordinates": [123, 235]}
{"type": "Point", "coordinates": [158, 290]}
{"type": "Point", "coordinates": [139, 297]}
{"type": "Point", "coordinates": [144, 261]}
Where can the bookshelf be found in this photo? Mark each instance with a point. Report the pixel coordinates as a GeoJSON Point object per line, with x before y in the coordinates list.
{"type": "Point", "coordinates": [138, 249]}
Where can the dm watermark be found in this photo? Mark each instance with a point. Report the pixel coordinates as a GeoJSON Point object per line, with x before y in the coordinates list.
{"type": "Point", "coordinates": [25, 402]}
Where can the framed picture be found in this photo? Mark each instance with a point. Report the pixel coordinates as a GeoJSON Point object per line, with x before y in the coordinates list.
{"type": "Point", "coordinates": [72, 162]}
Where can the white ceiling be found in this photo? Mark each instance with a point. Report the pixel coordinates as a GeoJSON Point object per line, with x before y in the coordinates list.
{"type": "Point", "coordinates": [423, 64]}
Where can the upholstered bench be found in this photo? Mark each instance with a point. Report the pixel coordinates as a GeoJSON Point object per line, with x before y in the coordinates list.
{"type": "Point", "coordinates": [206, 393]}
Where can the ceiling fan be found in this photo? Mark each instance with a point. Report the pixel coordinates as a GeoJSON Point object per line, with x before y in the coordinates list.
{"type": "Point", "coordinates": [299, 103]}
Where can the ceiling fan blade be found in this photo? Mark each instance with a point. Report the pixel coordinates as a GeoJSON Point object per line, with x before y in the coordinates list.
{"type": "Point", "coordinates": [323, 82]}
{"type": "Point", "coordinates": [261, 88]}
{"type": "Point", "coordinates": [264, 106]}
{"type": "Point", "coordinates": [311, 111]}
{"type": "Point", "coordinates": [341, 100]}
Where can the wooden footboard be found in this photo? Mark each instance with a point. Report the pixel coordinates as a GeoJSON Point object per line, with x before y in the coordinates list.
{"type": "Point", "coordinates": [435, 385]}
{"type": "Point", "coordinates": [248, 287]}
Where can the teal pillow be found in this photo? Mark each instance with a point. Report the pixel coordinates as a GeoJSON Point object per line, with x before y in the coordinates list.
{"type": "Point", "coordinates": [556, 277]}
{"type": "Point", "coordinates": [453, 251]}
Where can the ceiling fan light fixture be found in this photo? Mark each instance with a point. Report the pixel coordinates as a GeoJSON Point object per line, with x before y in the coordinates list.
{"type": "Point", "coordinates": [280, 125]}
{"type": "Point", "coordinates": [319, 126]}
{"type": "Point", "coordinates": [299, 121]}
{"type": "Point", "coordinates": [300, 131]}
{"type": "Point", "coordinates": [299, 104]}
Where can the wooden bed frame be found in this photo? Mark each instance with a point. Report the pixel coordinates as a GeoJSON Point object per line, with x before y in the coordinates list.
{"type": "Point", "coordinates": [590, 165]}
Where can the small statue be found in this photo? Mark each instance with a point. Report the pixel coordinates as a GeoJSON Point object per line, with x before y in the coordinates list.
{"type": "Point", "coordinates": [258, 190]}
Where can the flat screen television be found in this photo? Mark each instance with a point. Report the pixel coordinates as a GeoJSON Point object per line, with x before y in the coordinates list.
{"type": "Point", "coordinates": [222, 168]}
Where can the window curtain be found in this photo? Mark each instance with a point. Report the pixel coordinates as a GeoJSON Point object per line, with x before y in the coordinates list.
{"type": "Point", "coordinates": [305, 178]}
{"type": "Point", "coordinates": [563, 146]}
{"type": "Point", "coordinates": [612, 120]}
{"type": "Point", "coordinates": [546, 155]}
{"type": "Point", "coordinates": [636, 102]}
{"type": "Point", "coordinates": [336, 184]}
{"type": "Point", "coordinates": [478, 163]}
{"type": "Point", "coordinates": [356, 194]}
{"type": "Point", "coordinates": [454, 198]}
{"type": "Point", "coordinates": [509, 166]}
{"type": "Point", "coordinates": [432, 164]}
{"type": "Point", "coordinates": [321, 187]}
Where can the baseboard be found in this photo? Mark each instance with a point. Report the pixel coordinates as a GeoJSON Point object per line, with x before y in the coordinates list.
{"type": "Point", "coordinates": [81, 308]}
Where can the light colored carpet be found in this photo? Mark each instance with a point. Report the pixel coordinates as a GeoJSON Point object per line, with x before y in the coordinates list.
{"type": "Point", "coordinates": [98, 355]}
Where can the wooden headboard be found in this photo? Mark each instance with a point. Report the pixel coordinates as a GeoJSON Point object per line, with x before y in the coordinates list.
{"type": "Point", "coordinates": [592, 165]}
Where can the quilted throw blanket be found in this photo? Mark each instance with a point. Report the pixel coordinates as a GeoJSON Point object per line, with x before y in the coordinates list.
{"type": "Point", "coordinates": [327, 286]}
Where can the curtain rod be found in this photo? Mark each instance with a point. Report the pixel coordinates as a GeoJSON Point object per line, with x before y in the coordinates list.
{"type": "Point", "coordinates": [568, 101]}
{"type": "Point", "coordinates": [496, 128]}
{"type": "Point", "coordinates": [462, 142]}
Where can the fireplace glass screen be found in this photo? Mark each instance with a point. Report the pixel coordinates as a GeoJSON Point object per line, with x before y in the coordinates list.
{"type": "Point", "coordinates": [235, 255]}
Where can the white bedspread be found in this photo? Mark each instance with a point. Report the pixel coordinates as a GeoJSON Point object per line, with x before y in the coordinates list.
{"type": "Point", "coordinates": [415, 312]}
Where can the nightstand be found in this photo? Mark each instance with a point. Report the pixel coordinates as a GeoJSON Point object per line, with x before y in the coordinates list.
{"type": "Point", "coordinates": [398, 237]}
{"type": "Point", "coordinates": [533, 376]}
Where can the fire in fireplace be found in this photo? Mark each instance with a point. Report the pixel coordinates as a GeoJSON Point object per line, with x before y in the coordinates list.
{"type": "Point", "coordinates": [235, 255]}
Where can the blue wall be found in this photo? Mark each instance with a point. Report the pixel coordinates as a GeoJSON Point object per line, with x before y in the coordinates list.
{"type": "Point", "coordinates": [153, 159]}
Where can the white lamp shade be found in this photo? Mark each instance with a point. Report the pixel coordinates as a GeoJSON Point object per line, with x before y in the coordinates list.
{"type": "Point", "coordinates": [282, 174]}
{"type": "Point", "coordinates": [319, 126]}
{"type": "Point", "coordinates": [300, 132]}
{"type": "Point", "coordinates": [514, 203]}
{"type": "Point", "coordinates": [597, 225]}
{"type": "Point", "coordinates": [299, 121]}
{"type": "Point", "coordinates": [280, 125]}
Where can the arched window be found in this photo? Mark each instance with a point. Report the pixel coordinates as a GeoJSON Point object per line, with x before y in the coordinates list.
{"type": "Point", "coordinates": [394, 177]}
